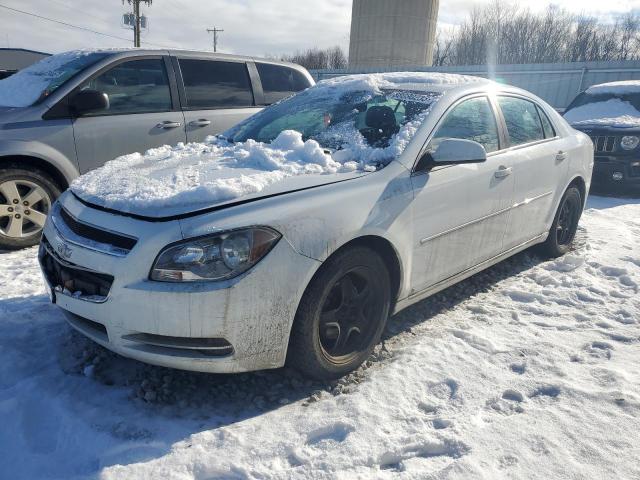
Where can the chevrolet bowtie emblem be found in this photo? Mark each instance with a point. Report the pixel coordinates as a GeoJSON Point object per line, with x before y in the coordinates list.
{"type": "Point", "coordinates": [64, 250]}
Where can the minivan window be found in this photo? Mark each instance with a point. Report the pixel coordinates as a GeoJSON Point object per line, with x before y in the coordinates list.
{"type": "Point", "coordinates": [549, 131]}
{"type": "Point", "coordinates": [522, 119]}
{"type": "Point", "coordinates": [472, 119]}
{"type": "Point", "coordinates": [216, 84]}
{"type": "Point", "coordinates": [279, 82]}
{"type": "Point", "coordinates": [136, 86]}
{"type": "Point", "coordinates": [38, 81]}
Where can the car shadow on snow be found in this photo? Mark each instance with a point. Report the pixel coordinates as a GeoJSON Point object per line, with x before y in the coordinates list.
{"type": "Point", "coordinates": [228, 398]}
{"type": "Point", "coordinates": [602, 200]}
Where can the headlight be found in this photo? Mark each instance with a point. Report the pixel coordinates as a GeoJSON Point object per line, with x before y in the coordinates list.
{"type": "Point", "coordinates": [629, 142]}
{"type": "Point", "coordinates": [216, 257]}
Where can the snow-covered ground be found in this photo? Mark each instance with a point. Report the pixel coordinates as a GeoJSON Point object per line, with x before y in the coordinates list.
{"type": "Point", "coordinates": [528, 370]}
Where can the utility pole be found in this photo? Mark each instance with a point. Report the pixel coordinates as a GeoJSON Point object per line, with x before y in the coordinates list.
{"type": "Point", "coordinates": [215, 31]}
{"type": "Point", "coordinates": [136, 15]}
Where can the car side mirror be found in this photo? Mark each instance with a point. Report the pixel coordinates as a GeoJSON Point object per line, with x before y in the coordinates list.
{"type": "Point", "coordinates": [453, 151]}
{"type": "Point", "coordinates": [88, 101]}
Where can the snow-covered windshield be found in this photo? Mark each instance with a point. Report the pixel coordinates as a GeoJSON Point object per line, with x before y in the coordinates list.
{"type": "Point", "coordinates": [355, 122]}
{"type": "Point", "coordinates": [35, 83]}
{"type": "Point", "coordinates": [340, 128]}
{"type": "Point", "coordinates": [606, 108]}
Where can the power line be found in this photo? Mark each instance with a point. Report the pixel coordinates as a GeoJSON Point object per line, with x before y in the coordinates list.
{"type": "Point", "coordinates": [77, 26]}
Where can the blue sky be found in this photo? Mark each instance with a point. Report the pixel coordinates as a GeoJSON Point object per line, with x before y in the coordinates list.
{"type": "Point", "coordinates": [252, 27]}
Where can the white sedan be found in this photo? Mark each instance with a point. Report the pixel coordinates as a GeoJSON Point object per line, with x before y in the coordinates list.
{"type": "Point", "coordinates": [293, 237]}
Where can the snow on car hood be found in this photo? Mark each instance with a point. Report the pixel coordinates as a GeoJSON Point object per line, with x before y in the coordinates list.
{"type": "Point", "coordinates": [613, 112]}
{"type": "Point", "coordinates": [169, 181]}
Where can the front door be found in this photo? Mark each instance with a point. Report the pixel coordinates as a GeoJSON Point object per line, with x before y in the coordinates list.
{"type": "Point", "coordinates": [461, 211]}
{"type": "Point", "coordinates": [140, 116]}
{"type": "Point", "coordinates": [217, 95]}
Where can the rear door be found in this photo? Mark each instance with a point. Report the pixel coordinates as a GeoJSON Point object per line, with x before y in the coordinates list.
{"type": "Point", "coordinates": [540, 162]}
{"type": "Point", "coordinates": [215, 94]}
{"type": "Point", "coordinates": [144, 112]}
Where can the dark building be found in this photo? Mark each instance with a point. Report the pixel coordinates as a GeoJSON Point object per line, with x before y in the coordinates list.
{"type": "Point", "coordinates": [14, 59]}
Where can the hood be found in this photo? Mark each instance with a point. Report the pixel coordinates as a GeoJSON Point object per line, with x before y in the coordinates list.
{"type": "Point", "coordinates": [187, 179]}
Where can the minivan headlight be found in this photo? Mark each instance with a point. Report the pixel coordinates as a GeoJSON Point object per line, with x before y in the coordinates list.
{"type": "Point", "coordinates": [629, 142]}
{"type": "Point", "coordinates": [216, 257]}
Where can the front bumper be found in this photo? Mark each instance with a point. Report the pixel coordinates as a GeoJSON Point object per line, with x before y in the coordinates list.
{"type": "Point", "coordinates": [237, 325]}
{"type": "Point", "coordinates": [611, 172]}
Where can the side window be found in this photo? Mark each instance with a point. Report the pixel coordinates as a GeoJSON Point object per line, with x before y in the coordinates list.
{"type": "Point", "coordinates": [549, 131]}
{"type": "Point", "coordinates": [522, 119]}
{"type": "Point", "coordinates": [279, 82]}
{"type": "Point", "coordinates": [137, 86]}
{"type": "Point", "coordinates": [216, 84]}
{"type": "Point", "coordinates": [470, 120]}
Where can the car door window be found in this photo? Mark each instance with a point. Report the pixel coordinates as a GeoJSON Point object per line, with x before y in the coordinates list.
{"type": "Point", "coordinates": [216, 84]}
{"type": "Point", "coordinates": [472, 119]}
{"type": "Point", "coordinates": [522, 120]}
{"type": "Point", "coordinates": [549, 131]}
{"type": "Point", "coordinates": [136, 86]}
{"type": "Point", "coordinates": [280, 82]}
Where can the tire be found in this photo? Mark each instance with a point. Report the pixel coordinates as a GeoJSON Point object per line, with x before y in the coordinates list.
{"type": "Point", "coordinates": [26, 196]}
{"type": "Point", "coordinates": [341, 315]}
{"type": "Point", "coordinates": [565, 224]}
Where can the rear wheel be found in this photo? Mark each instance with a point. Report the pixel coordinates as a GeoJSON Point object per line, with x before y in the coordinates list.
{"type": "Point", "coordinates": [26, 197]}
{"type": "Point", "coordinates": [565, 224]}
{"type": "Point", "coordinates": [341, 315]}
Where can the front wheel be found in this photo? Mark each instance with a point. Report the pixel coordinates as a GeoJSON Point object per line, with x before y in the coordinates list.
{"type": "Point", "coordinates": [26, 197]}
{"type": "Point", "coordinates": [341, 315]}
{"type": "Point", "coordinates": [565, 224]}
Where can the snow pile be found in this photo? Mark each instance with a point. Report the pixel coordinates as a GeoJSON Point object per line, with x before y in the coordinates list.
{"type": "Point", "coordinates": [526, 371]}
{"type": "Point", "coordinates": [202, 174]}
{"type": "Point", "coordinates": [613, 112]}
{"type": "Point", "coordinates": [624, 87]}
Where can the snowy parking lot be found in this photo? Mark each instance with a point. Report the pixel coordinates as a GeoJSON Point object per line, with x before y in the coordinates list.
{"type": "Point", "coordinates": [528, 370]}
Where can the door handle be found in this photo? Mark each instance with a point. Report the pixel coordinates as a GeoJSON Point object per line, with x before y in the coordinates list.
{"type": "Point", "coordinates": [503, 172]}
{"type": "Point", "coordinates": [202, 122]}
{"type": "Point", "coordinates": [560, 156]}
{"type": "Point", "coordinates": [168, 124]}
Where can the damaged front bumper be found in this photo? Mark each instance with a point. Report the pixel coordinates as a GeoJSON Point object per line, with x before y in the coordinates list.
{"type": "Point", "coordinates": [236, 325]}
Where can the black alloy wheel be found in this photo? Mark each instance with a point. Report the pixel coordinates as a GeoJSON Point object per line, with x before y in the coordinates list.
{"type": "Point", "coordinates": [341, 315]}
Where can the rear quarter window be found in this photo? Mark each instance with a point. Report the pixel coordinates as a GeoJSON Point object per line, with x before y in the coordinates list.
{"type": "Point", "coordinates": [279, 81]}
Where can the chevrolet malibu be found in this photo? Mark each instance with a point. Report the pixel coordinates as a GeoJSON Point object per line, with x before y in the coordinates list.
{"type": "Point", "coordinates": [292, 237]}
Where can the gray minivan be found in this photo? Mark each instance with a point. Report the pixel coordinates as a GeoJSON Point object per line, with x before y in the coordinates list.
{"type": "Point", "coordinates": [72, 112]}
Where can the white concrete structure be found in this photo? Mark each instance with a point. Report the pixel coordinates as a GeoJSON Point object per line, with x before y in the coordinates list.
{"type": "Point", "coordinates": [392, 33]}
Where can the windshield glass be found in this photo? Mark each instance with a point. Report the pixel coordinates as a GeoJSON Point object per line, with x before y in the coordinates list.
{"type": "Point", "coordinates": [37, 82]}
{"type": "Point", "coordinates": [363, 125]}
{"type": "Point", "coordinates": [604, 108]}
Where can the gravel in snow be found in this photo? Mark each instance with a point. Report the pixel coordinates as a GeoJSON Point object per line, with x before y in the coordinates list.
{"type": "Point", "coordinates": [528, 370]}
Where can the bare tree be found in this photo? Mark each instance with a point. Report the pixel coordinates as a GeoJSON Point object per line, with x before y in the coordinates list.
{"type": "Point", "coordinates": [317, 59]}
{"type": "Point", "coordinates": [500, 33]}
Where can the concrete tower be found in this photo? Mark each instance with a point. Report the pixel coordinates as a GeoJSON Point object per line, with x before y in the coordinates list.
{"type": "Point", "coordinates": [392, 33]}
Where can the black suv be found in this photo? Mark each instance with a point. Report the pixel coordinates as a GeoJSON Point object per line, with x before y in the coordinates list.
{"type": "Point", "coordinates": [610, 114]}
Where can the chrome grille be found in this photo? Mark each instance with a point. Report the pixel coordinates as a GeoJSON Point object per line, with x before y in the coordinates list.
{"type": "Point", "coordinates": [604, 143]}
{"type": "Point", "coordinates": [88, 236]}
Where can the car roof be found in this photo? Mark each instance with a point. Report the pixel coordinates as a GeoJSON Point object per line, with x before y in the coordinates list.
{"type": "Point", "coordinates": [191, 53]}
{"type": "Point", "coordinates": [624, 87]}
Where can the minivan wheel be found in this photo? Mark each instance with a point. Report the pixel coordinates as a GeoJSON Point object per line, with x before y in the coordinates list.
{"type": "Point", "coordinates": [341, 315]}
{"type": "Point", "coordinates": [26, 197]}
{"type": "Point", "coordinates": [565, 224]}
